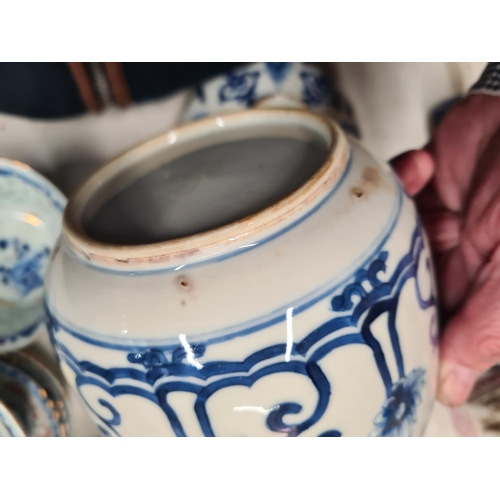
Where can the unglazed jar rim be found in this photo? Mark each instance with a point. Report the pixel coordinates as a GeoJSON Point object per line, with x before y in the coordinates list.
{"type": "Point", "coordinates": [122, 256]}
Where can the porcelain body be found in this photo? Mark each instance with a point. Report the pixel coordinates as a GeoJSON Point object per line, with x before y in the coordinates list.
{"type": "Point", "coordinates": [30, 222]}
{"type": "Point", "coordinates": [315, 317]}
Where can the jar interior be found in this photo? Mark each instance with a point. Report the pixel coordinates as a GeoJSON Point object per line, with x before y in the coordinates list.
{"type": "Point", "coordinates": [209, 181]}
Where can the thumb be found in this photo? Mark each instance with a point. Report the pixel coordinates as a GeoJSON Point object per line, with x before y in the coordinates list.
{"type": "Point", "coordinates": [471, 340]}
{"type": "Point", "coordinates": [414, 169]}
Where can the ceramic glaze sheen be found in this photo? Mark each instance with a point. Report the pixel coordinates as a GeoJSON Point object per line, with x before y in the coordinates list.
{"type": "Point", "coordinates": [312, 317]}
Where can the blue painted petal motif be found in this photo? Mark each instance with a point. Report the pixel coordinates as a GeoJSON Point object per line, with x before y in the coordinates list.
{"type": "Point", "coordinates": [152, 358]}
{"type": "Point", "coordinates": [278, 71]}
{"type": "Point", "coordinates": [26, 274]}
{"type": "Point", "coordinates": [316, 90]}
{"type": "Point", "coordinates": [398, 414]}
{"type": "Point", "coordinates": [157, 365]}
{"type": "Point", "coordinates": [155, 362]}
{"type": "Point", "coordinates": [179, 354]}
{"type": "Point", "coordinates": [240, 87]}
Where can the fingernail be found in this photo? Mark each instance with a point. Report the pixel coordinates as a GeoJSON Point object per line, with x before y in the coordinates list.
{"type": "Point", "coordinates": [455, 383]}
{"type": "Point", "coordinates": [424, 164]}
{"type": "Point", "coordinates": [421, 165]}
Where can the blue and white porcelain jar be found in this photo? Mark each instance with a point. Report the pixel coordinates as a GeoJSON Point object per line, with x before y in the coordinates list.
{"type": "Point", "coordinates": [248, 274]}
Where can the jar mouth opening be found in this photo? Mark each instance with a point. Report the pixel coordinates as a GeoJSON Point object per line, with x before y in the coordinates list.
{"type": "Point", "coordinates": [123, 172]}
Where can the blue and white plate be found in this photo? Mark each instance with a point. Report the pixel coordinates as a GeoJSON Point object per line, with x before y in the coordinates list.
{"type": "Point", "coordinates": [52, 390]}
{"type": "Point", "coordinates": [38, 412]}
{"type": "Point", "coordinates": [9, 424]}
{"type": "Point", "coordinates": [31, 211]}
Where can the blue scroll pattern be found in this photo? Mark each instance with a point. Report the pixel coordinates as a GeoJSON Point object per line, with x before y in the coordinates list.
{"type": "Point", "coordinates": [369, 294]}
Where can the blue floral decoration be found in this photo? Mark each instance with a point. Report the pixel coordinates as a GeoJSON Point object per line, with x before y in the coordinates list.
{"type": "Point", "coordinates": [398, 414]}
{"type": "Point", "coordinates": [316, 90]}
{"type": "Point", "coordinates": [26, 274]}
{"type": "Point", "coordinates": [278, 71]}
{"type": "Point", "coordinates": [158, 365]}
{"type": "Point", "coordinates": [152, 358]}
{"type": "Point", "coordinates": [240, 87]}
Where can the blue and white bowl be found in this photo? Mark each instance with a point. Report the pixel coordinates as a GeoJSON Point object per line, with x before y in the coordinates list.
{"type": "Point", "coordinates": [275, 85]}
{"type": "Point", "coordinates": [30, 222]}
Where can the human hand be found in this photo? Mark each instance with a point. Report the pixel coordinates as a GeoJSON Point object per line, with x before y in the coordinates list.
{"type": "Point", "coordinates": [455, 181]}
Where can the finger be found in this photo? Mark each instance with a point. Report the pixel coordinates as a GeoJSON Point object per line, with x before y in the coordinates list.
{"type": "Point", "coordinates": [453, 282]}
{"type": "Point", "coordinates": [471, 340]}
{"type": "Point", "coordinates": [428, 199]}
{"type": "Point", "coordinates": [414, 169]}
{"type": "Point", "coordinates": [442, 228]}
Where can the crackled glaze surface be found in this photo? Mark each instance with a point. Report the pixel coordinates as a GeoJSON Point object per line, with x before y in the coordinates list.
{"type": "Point", "coordinates": [320, 324]}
